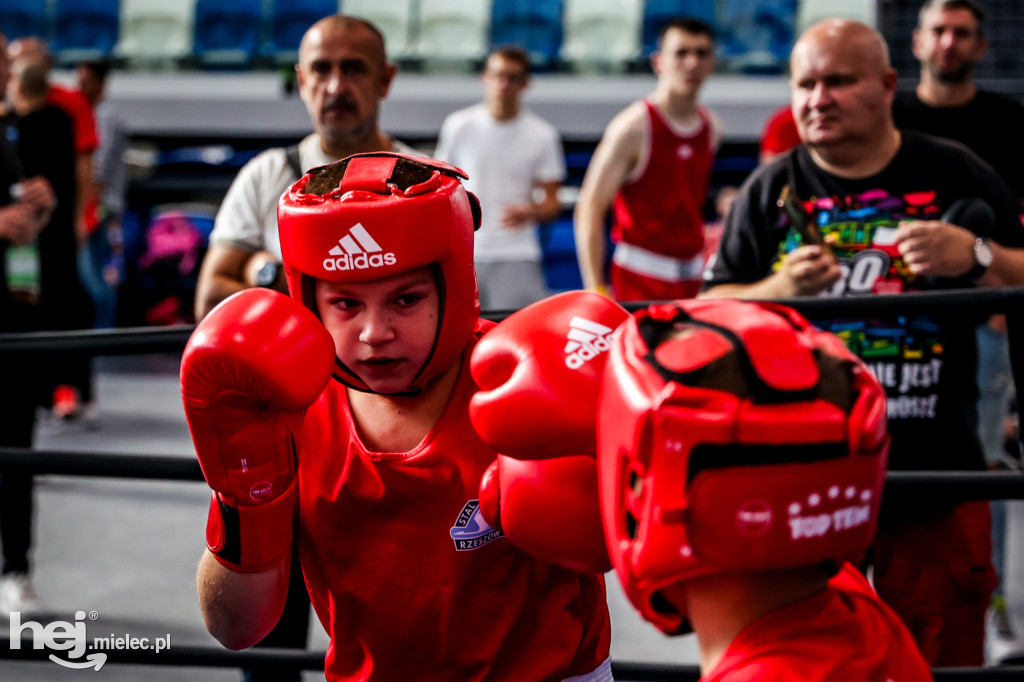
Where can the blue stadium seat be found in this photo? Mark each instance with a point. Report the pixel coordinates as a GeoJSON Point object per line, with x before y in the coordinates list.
{"type": "Point", "coordinates": [84, 29]}
{"type": "Point", "coordinates": [227, 32]}
{"type": "Point", "coordinates": [757, 35]}
{"type": "Point", "coordinates": [19, 18]}
{"type": "Point", "coordinates": [657, 12]}
{"type": "Point", "coordinates": [289, 20]}
{"type": "Point", "coordinates": [534, 25]}
{"type": "Point", "coordinates": [558, 243]}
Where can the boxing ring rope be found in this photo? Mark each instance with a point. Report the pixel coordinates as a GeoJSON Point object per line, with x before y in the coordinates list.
{"type": "Point", "coordinates": [961, 485]}
{"type": "Point", "coordinates": [140, 340]}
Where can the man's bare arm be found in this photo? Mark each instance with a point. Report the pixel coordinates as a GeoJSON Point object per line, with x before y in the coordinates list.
{"type": "Point", "coordinates": [227, 270]}
{"type": "Point", "coordinates": [806, 271]}
{"type": "Point", "coordinates": [945, 250]}
{"type": "Point", "coordinates": [222, 274]}
{"type": "Point", "coordinates": [1007, 267]}
{"type": "Point", "coordinates": [22, 221]}
{"type": "Point", "coordinates": [614, 159]}
{"type": "Point", "coordinates": [548, 208]}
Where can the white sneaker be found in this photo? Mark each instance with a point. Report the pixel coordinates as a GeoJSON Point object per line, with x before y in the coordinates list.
{"type": "Point", "coordinates": [18, 595]}
{"type": "Point", "coordinates": [1002, 624]}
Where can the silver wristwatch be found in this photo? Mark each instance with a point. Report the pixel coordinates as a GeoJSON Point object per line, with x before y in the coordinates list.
{"type": "Point", "coordinates": [982, 253]}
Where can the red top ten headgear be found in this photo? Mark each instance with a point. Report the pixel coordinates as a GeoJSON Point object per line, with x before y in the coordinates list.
{"type": "Point", "coordinates": [733, 436]}
{"type": "Point", "coordinates": [360, 219]}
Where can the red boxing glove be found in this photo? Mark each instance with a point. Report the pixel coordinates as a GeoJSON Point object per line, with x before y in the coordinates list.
{"type": "Point", "coordinates": [548, 508]}
{"type": "Point", "coordinates": [249, 371]}
{"type": "Point", "coordinates": [538, 372]}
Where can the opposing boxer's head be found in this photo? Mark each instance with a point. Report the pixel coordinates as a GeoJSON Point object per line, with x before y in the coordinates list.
{"type": "Point", "coordinates": [733, 437]}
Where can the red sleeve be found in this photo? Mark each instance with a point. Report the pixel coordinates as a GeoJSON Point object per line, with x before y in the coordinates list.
{"type": "Point", "coordinates": [780, 134]}
{"type": "Point", "coordinates": [79, 110]}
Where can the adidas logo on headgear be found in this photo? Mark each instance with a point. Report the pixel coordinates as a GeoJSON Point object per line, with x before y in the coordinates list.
{"type": "Point", "coordinates": [357, 250]}
{"type": "Point", "coordinates": [587, 340]}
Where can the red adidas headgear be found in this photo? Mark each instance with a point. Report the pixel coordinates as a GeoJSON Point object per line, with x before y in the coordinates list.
{"type": "Point", "coordinates": [733, 436]}
{"type": "Point", "coordinates": [379, 214]}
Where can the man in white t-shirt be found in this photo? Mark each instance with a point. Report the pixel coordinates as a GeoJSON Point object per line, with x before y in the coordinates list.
{"type": "Point", "coordinates": [515, 165]}
{"type": "Point", "coordinates": [343, 74]}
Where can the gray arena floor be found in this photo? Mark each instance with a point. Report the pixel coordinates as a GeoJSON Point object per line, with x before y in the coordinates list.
{"type": "Point", "coordinates": [127, 549]}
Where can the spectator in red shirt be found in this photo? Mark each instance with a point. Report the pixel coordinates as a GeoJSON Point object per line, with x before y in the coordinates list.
{"type": "Point", "coordinates": [779, 134]}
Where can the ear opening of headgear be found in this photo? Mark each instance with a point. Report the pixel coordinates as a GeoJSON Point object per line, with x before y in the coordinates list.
{"type": "Point", "coordinates": [734, 437]}
{"type": "Point", "coordinates": [379, 214]}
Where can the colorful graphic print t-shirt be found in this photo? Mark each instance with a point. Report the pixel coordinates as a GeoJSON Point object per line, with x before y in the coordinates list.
{"type": "Point", "coordinates": [926, 362]}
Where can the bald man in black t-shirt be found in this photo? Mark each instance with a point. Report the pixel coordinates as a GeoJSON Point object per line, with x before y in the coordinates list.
{"type": "Point", "coordinates": [874, 205]}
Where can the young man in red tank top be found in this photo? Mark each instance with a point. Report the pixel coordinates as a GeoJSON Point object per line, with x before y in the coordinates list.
{"type": "Point", "coordinates": [652, 169]}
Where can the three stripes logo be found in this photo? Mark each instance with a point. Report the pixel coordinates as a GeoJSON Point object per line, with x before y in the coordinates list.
{"type": "Point", "coordinates": [587, 340]}
{"type": "Point", "coordinates": [357, 250]}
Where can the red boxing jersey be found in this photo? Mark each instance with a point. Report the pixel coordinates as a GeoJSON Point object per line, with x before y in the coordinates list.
{"type": "Point", "coordinates": [780, 132]}
{"type": "Point", "coordinates": [409, 580]}
{"type": "Point", "coordinates": [662, 210]}
{"type": "Point", "coordinates": [79, 110]}
{"type": "Point", "coordinates": [844, 634]}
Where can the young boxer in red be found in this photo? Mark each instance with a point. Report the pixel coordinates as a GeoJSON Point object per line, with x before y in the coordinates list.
{"type": "Point", "coordinates": [337, 419]}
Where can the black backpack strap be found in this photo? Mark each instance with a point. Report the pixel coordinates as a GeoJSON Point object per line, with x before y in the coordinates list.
{"type": "Point", "coordinates": [292, 155]}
